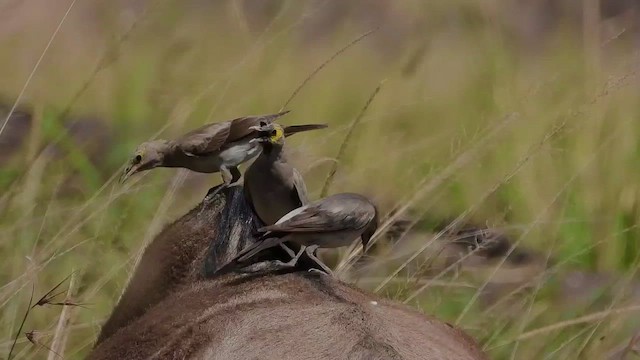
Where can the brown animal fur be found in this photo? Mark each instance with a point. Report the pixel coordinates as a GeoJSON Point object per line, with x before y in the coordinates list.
{"type": "Point", "coordinates": [170, 310]}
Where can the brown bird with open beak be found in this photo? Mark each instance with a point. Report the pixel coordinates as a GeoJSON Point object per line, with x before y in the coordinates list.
{"type": "Point", "coordinates": [332, 222]}
{"type": "Point", "coordinates": [219, 147]}
{"type": "Point", "coordinates": [271, 185]}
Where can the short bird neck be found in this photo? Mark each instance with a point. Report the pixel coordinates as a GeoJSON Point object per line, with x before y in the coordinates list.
{"type": "Point", "coordinates": [272, 151]}
{"type": "Point", "coordinates": [171, 157]}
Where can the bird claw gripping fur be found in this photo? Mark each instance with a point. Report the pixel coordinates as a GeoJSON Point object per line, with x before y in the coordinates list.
{"type": "Point", "coordinates": [235, 224]}
{"type": "Point", "coordinates": [211, 194]}
{"type": "Point", "coordinates": [208, 199]}
{"type": "Point", "coordinates": [319, 272]}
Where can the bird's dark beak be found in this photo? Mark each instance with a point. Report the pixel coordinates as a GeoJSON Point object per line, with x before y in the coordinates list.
{"type": "Point", "coordinates": [130, 170]}
{"type": "Point", "coordinates": [294, 129]}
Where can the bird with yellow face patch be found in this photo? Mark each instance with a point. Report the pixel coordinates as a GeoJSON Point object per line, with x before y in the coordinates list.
{"type": "Point", "coordinates": [219, 147]}
{"type": "Point", "coordinates": [277, 193]}
{"type": "Point", "coordinates": [272, 186]}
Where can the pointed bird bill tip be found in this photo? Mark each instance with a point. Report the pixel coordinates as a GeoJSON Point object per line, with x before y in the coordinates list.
{"type": "Point", "coordinates": [128, 171]}
{"type": "Point", "coordinates": [294, 129]}
{"type": "Point", "coordinates": [123, 177]}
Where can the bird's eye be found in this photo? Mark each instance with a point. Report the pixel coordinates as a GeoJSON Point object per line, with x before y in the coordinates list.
{"type": "Point", "coordinates": [263, 123]}
{"type": "Point", "coordinates": [137, 159]}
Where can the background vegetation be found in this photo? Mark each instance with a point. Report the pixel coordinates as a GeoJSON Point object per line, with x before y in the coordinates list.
{"type": "Point", "coordinates": [535, 135]}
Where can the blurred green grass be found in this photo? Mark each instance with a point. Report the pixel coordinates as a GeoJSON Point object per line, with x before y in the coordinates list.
{"type": "Point", "coordinates": [576, 194]}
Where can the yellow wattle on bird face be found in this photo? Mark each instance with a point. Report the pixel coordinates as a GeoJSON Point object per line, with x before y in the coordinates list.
{"type": "Point", "coordinates": [277, 134]}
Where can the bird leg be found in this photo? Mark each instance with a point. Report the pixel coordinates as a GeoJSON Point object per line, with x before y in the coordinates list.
{"type": "Point", "coordinates": [275, 264]}
{"type": "Point", "coordinates": [288, 250]}
{"type": "Point", "coordinates": [230, 177]}
{"type": "Point", "coordinates": [211, 194]}
{"type": "Point", "coordinates": [235, 175]}
{"type": "Point", "coordinates": [293, 261]}
{"type": "Point", "coordinates": [325, 269]}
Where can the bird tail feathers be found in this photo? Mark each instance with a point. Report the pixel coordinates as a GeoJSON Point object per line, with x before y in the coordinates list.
{"type": "Point", "coordinates": [256, 248]}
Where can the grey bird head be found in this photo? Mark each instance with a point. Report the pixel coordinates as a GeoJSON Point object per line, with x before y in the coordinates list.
{"type": "Point", "coordinates": [147, 156]}
{"type": "Point", "coordinates": [369, 230]}
{"type": "Point", "coordinates": [269, 133]}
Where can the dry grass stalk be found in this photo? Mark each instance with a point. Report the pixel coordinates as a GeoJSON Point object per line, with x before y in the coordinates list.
{"type": "Point", "coordinates": [35, 67]}
{"type": "Point", "coordinates": [538, 285]}
{"type": "Point", "coordinates": [24, 319]}
{"type": "Point", "coordinates": [633, 346]}
{"type": "Point", "coordinates": [44, 300]}
{"type": "Point", "coordinates": [345, 142]}
{"type": "Point", "coordinates": [156, 223]}
{"type": "Point", "coordinates": [424, 188]}
{"type": "Point", "coordinates": [49, 295]}
{"type": "Point", "coordinates": [322, 66]}
{"type": "Point", "coordinates": [35, 337]}
{"type": "Point", "coordinates": [60, 335]}
{"type": "Point", "coordinates": [456, 222]}
{"type": "Point", "coordinates": [597, 316]}
{"type": "Point", "coordinates": [592, 33]}
{"type": "Point", "coordinates": [108, 57]}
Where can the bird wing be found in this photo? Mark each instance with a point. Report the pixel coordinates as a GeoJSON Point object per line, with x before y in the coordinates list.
{"type": "Point", "coordinates": [211, 137]}
{"type": "Point", "coordinates": [314, 219]}
{"type": "Point", "coordinates": [206, 139]}
{"type": "Point", "coordinates": [299, 192]}
{"type": "Point", "coordinates": [240, 127]}
{"type": "Point", "coordinates": [338, 212]}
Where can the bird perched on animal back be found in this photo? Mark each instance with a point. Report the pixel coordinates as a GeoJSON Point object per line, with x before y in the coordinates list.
{"type": "Point", "coordinates": [332, 222]}
{"type": "Point", "coordinates": [272, 186]}
{"type": "Point", "coordinates": [218, 147]}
